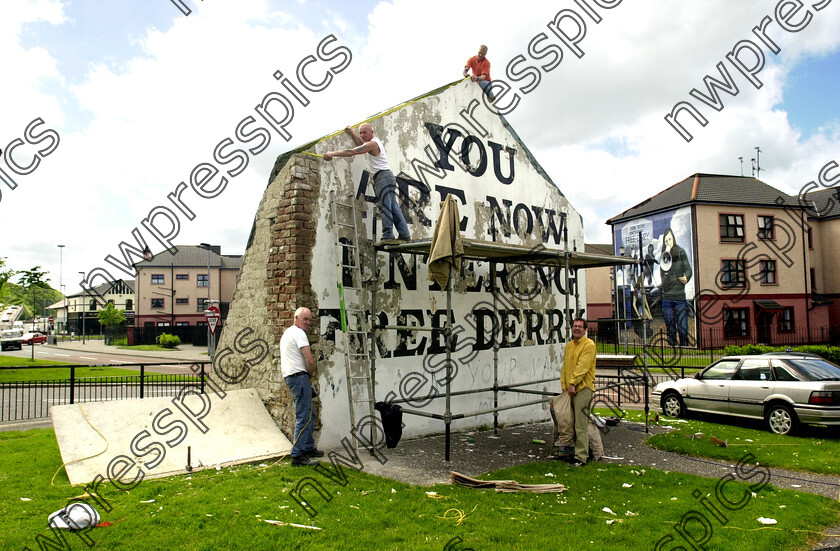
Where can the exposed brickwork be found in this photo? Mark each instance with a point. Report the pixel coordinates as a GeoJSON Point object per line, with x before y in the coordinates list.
{"type": "Point", "coordinates": [275, 280]}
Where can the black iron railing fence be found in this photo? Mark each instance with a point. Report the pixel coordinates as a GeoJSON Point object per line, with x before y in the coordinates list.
{"type": "Point", "coordinates": [33, 398]}
{"type": "Point", "coordinates": [713, 340]}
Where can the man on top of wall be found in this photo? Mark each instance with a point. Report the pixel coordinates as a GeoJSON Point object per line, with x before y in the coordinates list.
{"type": "Point", "coordinates": [480, 67]}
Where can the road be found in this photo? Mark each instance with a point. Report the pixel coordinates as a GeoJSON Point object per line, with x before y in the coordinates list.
{"type": "Point", "coordinates": [96, 358]}
{"type": "Point", "coordinates": [33, 401]}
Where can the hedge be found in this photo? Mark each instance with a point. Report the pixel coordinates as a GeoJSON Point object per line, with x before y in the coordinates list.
{"type": "Point", "coordinates": [830, 353]}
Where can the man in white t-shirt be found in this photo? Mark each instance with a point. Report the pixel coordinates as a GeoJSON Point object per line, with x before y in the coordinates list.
{"type": "Point", "coordinates": [297, 366]}
{"type": "Point", "coordinates": [384, 182]}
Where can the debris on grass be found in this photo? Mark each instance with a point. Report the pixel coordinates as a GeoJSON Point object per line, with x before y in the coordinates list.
{"type": "Point", "coordinates": [457, 514]}
{"type": "Point", "coordinates": [717, 441]}
{"type": "Point", "coordinates": [281, 523]}
{"type": "Point", "coordinates": [625, 485]}
{"type": "Point", "coordinates": [764, 520]}
{"type": "Point", "coordinates": [608, 510]}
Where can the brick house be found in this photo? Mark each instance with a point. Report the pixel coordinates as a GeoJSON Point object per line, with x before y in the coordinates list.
{"type": "Point", "coordinates": [173, 289]}
{"type": "Point", "coordinates": [729, 260]}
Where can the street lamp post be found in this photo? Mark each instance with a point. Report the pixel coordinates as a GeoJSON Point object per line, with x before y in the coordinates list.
{"type": "Point", "coordinates": [210, 336]}
{"type": "Point", "coordinates": [60, 277]}
{"type": "Point", "coordinates": [84, 300]}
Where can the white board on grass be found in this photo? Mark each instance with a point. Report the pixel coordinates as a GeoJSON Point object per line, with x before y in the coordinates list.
{"type": "Point", "coordinates": [150, 437]}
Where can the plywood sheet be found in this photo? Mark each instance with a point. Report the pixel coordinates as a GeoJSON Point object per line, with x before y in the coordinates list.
{"type": "Point", "coordinates": [150, 437]}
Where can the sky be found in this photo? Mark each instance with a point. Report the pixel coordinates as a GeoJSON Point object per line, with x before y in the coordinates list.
{"type": "Point", "coordinates": [133, 95]}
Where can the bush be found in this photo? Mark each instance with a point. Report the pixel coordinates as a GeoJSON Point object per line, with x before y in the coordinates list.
{"type": "Point", "coordinates": [830, 353]}
{"type": "Point", "coordinates": [168, 341]}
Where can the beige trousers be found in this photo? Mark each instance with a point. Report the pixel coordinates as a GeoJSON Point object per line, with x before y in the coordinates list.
{"type": "Point", "coordinates": [580, 405]}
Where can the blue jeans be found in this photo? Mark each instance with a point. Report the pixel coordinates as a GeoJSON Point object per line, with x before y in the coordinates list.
{"type": "Point", "coordinates": [675, 313]}
{"type": "Point", "coordinates": [485, 85]}
{"type": "Point", "coordinates": [301, 390]}
{"type": "Point", "coordinates": [385, 187]}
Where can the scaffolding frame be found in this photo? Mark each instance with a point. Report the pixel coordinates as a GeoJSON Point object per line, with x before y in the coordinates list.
{"type": "Point", "coordinates": [492, 252]}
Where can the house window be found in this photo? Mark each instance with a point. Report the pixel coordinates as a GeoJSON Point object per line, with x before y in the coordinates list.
{"type": "Point", "coordinates": [157, 303]}
{"type": "Point", "coordinates": [767, 272]}
{"type": "Point", "coordinates": [182, 301]}
{"type": "Point", "coordinates": [129, 304]}
{"type": "Point", "coordinates": [157, 279]}
{"type": "Point", "coordinates": [813, 279]}
{"type": "Point", "coordinates": [810, 239]}
{"type": "Point", "coordinates": [786, 320]}
{"type": "Point", "coordinates": [732, 228]}
{"type": "Point", "coordinates": [735, 322]}
{"type": "Point", "coordinates": [203, 280]}
{"type": "Point", "coordinates": [92, 305]}
{"type": "Point", "coordinates": [201, 304]}
{"type": "Point", "coordinates": [765, 227]}
{"type": "Point", "coordinates": [182, 276]}
{"type": "Point", "coordinates": [733, 274]}
{"type": "Point", "coordinates": [182, 323]}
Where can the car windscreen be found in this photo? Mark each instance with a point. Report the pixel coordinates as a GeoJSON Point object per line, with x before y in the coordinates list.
{"type": "Point", "coordinates": [816, 370]}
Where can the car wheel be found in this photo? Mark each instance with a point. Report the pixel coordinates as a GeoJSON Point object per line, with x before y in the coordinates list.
{"type": "Point", "coordinates": [781, 419]}
{"type": "Point", "coordinates": [673, 405]}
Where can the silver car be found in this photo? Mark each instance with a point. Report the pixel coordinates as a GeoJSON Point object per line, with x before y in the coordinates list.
{"type": "Point", "coordinates": [784, 389]}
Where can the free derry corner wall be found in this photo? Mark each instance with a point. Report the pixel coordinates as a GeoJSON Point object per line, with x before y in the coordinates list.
{"type": "Point", "coordinates": [445, 142]}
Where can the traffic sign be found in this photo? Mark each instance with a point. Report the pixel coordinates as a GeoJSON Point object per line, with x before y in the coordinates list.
{"type": "Point", "coordinates": [212, 315]}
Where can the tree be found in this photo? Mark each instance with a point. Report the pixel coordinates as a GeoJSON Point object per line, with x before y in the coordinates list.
{"type": "Point", "coordinates": [110, 315]}
{"type": "Point", "coordinates": [5, 273]}
{"type": "Point", "coordinates": [33, 281]}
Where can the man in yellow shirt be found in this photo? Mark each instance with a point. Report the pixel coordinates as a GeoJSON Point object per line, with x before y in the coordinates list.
{"type": "Point", "coordinates": [578, 380]}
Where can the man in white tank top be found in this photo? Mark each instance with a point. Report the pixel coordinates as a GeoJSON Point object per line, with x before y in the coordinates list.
{"type": "Point", "coordinates": [384, 182]}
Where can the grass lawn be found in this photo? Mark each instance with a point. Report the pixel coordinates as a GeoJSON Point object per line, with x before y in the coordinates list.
{"type": "Point", "coordinates": [14, 360]}
{"type": "Point", "coordinates": [814, 449]}
{"type": "Point", "coordinates": [148, 347]}
{"type": "Point", "coordinates": [59, 373]}
{"type": "Point", "coordinates": [224, 509]}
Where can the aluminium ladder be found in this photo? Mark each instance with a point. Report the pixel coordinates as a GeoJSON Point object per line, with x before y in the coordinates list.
{"type": "Point", "coordinates": [354, 324]}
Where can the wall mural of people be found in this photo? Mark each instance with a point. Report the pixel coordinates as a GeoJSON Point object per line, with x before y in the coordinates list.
{"type": "Point", "coordinates": [665, 274]}
{"type": "Point", "coordinates": [675, 272]}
